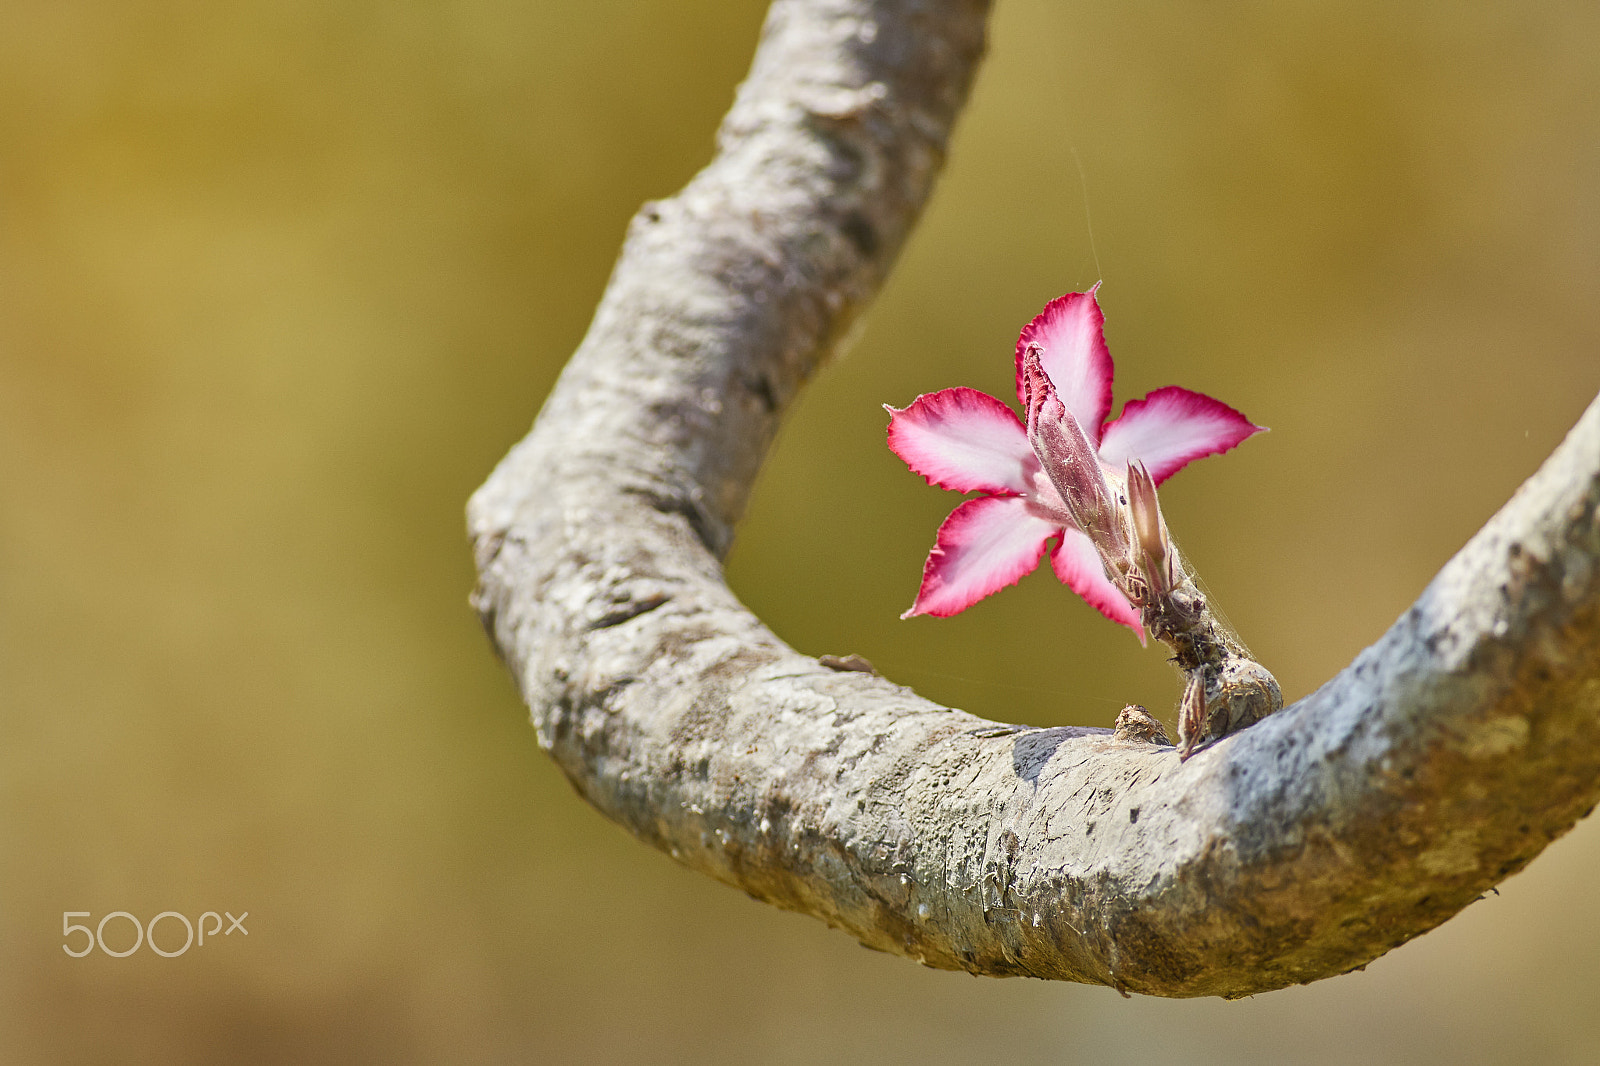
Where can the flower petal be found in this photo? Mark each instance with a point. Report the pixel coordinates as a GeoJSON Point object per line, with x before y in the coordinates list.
{"type": "Point", "coordinates": [1078, 566]}
{"type": "Point", "coordinates": [1071, 331]}
{"type": "Point", "coordinates": [985, 545]}
{"type": "Point", "coordinates": [964, 440]}
{"type": "Point", "coordinates": [1170, 428]}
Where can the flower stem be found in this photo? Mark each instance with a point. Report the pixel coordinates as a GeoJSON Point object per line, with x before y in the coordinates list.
{"type": "Point", "coordinates": [1226, 689]}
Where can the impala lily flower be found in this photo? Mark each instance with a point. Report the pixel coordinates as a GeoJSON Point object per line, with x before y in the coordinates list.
{"type": "Point", "coordinates": [1060, 475]}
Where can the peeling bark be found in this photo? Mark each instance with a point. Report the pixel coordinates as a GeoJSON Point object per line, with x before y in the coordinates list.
{"type": "Point", "coordinates": [1439, 762]}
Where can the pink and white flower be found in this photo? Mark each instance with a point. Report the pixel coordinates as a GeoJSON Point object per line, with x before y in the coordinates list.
{"type": "Point", "coordinates": [1064, 460]}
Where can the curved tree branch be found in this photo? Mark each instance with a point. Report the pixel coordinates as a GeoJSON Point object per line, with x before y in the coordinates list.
{"type": "Point", "coordinates": [1443, 759]}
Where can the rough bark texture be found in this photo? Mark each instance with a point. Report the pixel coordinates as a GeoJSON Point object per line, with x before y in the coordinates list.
{"type": "Point", "coordinates": [1443, 759]}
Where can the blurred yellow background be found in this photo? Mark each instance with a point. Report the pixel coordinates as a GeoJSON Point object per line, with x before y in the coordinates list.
{"type": "Point", "coordinates": [280, 282]}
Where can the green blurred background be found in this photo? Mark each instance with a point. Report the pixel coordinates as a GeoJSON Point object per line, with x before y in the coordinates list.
{"type": "Point", "coordinates": [280, 282]}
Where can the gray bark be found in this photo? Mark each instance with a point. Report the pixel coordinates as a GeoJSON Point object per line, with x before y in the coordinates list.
{"type": "Point", "coordinates": [1443, 759]}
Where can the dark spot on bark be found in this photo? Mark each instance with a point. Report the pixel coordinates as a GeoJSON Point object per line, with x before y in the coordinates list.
{"type": "Point", "coordinates": [1133, 814]}
{"type": "Point", "coordinates": [846, 162]}
{"type": "Point", "coordinates": [710, 532]}
{"type": "Point", "coordinates": [761, 388]}
{"type": "Point", "coordinates": [624, 612]}
{"type": "Point", "coordinates": [859, 230]}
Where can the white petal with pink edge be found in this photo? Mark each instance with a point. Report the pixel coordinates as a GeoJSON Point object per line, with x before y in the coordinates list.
{"type": "Point", "coordinates": [1171, 428]}
{"type": "Point", "coordinates": [964, 440]}
{"type": "Point", "coordinates": [985, 545]}
{"type": "Point", "coordinates": [1078, 566]}
{"type": "Point", "coordinates": [1071, 330]}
